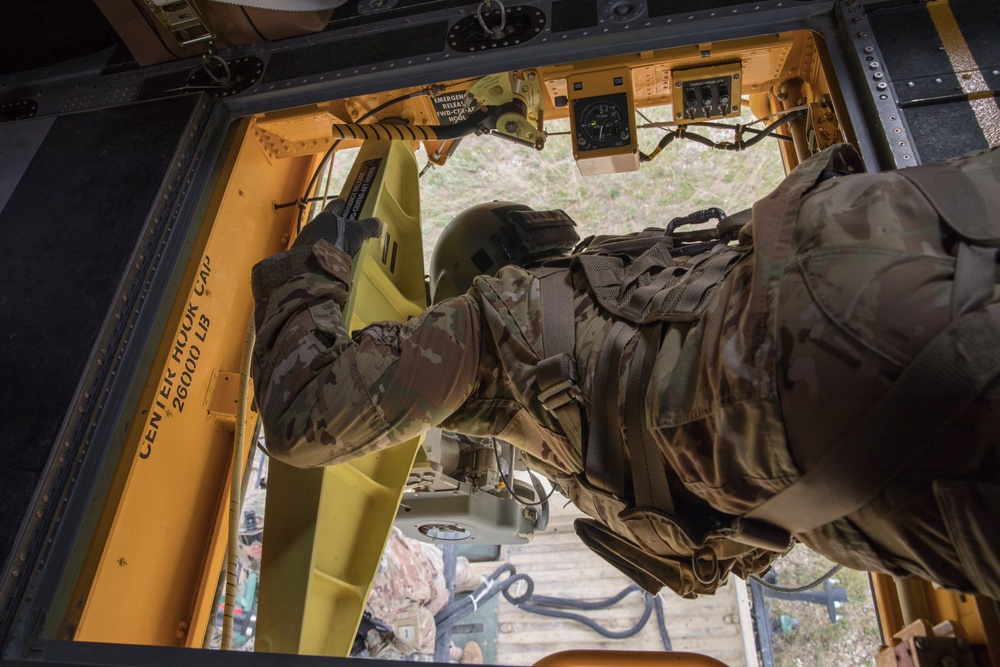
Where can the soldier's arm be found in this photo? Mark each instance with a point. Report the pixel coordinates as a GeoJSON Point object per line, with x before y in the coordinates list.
{"type": "Point", "coordinates": [326, 396]}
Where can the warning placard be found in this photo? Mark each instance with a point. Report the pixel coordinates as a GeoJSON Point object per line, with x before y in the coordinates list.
{"type": "Point", "coordinates": [360, 188]}
{"type": "Point", "coordinates": [451, 108]}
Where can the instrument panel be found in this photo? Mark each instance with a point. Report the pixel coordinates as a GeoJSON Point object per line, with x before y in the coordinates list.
{"type": "Point", "coordinates": [602, 121]}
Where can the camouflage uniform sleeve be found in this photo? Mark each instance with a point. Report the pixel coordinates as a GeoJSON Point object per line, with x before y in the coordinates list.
{"type": "Point", "coordinates": [327, 396]}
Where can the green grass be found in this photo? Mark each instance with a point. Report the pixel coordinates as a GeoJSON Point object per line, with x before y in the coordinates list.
{"type": "Point", "coordinates": [684, 177]}
{"type": "Point", "coordinates": [853, 640]}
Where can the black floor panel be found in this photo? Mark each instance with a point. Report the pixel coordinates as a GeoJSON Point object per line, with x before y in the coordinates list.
{"type": "Point", "coordinates": [980, 25]}
{"type": "Point", "coordinates": [941, 120]}
{"type": "Point", "coordinates": [69, 229]}
{"type": "Point", "coordinates": [945, 130]}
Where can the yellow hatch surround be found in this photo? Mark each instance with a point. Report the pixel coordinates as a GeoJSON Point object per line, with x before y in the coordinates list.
{"type": "Point", "coordinates": [152, 570]}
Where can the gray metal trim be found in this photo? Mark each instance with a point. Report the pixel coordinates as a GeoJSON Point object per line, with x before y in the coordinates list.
{"type": "Point", "coordinates": [871, 74]}
{"type": "Point", "coordinates": [90, 90]}
{"type": "Point", "coordinates": [92, 433]}
{"type": "Point", "coordinates": [547, 49]}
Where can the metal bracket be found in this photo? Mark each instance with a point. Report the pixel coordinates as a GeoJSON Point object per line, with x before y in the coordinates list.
{"type": "Point", "coordinates": [182, 20]}
{"type": "Point", "coordinates": [497, 90]}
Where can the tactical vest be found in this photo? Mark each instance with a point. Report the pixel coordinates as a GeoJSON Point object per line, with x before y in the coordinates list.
{"type": "Point", "coordinates": [647, 281]}
{"type": "Point", "coordinates": [658, 278]}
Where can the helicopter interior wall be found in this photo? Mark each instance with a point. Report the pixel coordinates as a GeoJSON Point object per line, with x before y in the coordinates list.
{"type": "Point", "coordinates": [407, 42]}
{"type": "Point", "coordinates": [70, 227]}
{"type": "Point", "coordinates": [41, 33]}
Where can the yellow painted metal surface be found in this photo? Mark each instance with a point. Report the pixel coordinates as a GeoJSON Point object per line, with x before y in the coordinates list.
{"type": "Point", "coordinates": [627, 659]}
{"type": "Point", "coordinates": [326, 527]}
{"type": "Point", "coordinates": [151, 574]}
{"type": "Point", "coordinates": [915, 607]}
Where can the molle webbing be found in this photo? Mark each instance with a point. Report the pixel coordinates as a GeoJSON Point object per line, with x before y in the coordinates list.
{"type": "Point", "coordinates": [604, 454]}
{"type": "Point", "coordinates": [557, 380]}
{"type": "Point", "coordinates": [655, 288]}
{"type": "Point", "coordinates": [538, 233]}
{"type": "Point", "coordinates": [649, 475]}
{"type": "Point", "coordinates": [637, 280]}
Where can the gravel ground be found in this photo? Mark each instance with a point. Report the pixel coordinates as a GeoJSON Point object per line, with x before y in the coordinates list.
{"type": "Point", "coordinates": [853, 640]}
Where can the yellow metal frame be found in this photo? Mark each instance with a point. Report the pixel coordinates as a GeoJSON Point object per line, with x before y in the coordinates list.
{"type": "Point", "coordinates": [326, 527]}
{"type": "Point", "coordinates": [152, 569]}
{"type": "Point", "coordinates": [903, 602]}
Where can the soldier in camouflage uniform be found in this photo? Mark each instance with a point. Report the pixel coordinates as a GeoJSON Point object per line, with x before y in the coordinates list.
{"type": "Point", "coordinates": [841, 281]}
{"type": "Point", "coordinates": [409, 589]}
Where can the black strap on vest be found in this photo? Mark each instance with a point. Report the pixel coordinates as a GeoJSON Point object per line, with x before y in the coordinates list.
{"type": "Point", "coordinates": [604, 455]}
{"type": "Point", "coordinates": [558, 390]}
{"type": "Point", "coordinates": [954, 368]}
{"type": "Point", "coordinates": [649, 475]}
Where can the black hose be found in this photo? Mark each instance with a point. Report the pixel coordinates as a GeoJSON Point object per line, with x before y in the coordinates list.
{"type": "Point", "coordinates": [303, 202]}
{"type": "Point", "coordinates": [738, 145]}
{"type": "Point", "coordinates": [797, 589]}
{"type": "Point", "coordinates": [550, 606]}
{"type": "Point", "coordinates": [661, 623]}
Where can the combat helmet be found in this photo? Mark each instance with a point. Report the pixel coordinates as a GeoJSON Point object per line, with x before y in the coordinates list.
{"type": "Point", "coordinates": [484, 238]}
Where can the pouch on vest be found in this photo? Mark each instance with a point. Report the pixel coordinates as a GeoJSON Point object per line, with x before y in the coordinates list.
{"type": "Point", "coordinates": [700, 574]}
{"type": "Point", "coordinates": [692, 556]}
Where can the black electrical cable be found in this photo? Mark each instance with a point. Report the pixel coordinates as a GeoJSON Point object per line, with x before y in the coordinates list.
{"type": "Point", "coordinates": [797, 589]}
{"type": "Point", "coordinates": [742, 128]}
{"type": "Point", "coordinates": [304, 201]}
{"type": "Point", "coordinates": [738, 145]}
{"type": "Point", "coordinates": [509, 482]}
{"type": "Point", "coordinates": [551, 606]}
